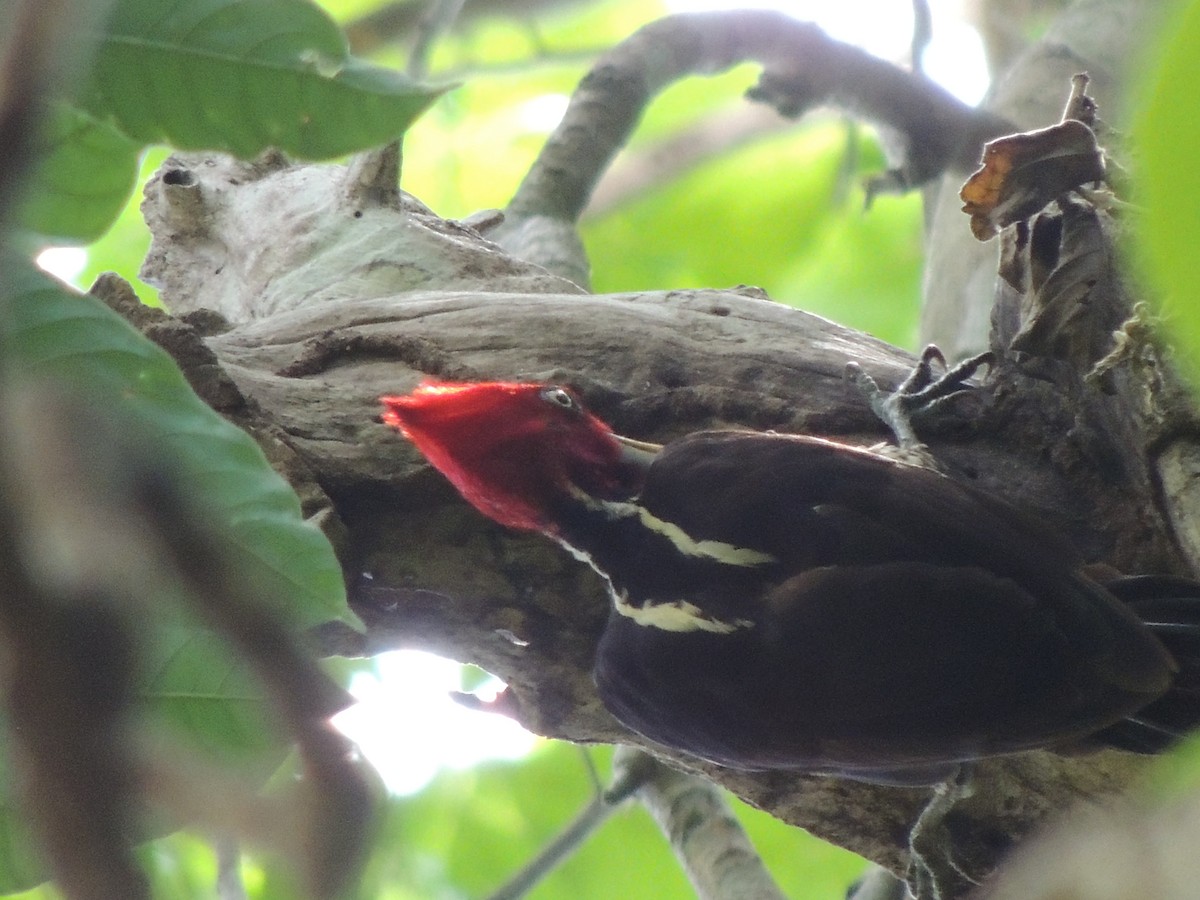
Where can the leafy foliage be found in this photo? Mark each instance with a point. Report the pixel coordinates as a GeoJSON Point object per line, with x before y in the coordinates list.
{"type": "Point", "coordinates": [799, 240]}
{"type": "Point", "coordinates": [467, 832]}
{"type": "Point", "coordinates": [224, 75]}
{"type": "Point", "coordinates": [192, 682]}
{"type": "Point", "coordinates": [87, 347]}
{"type": "Point", "coordinates": [1168, 191]}
{"type": "Point", "coordinates": [185, 72]}
{"type": "Point", "coordinates": [254, 75]}
{"type": "Point", "coordinates": [88, 171]}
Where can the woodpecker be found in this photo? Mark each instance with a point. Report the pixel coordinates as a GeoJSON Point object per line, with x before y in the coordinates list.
{"type": "Point", "coordinates": [786, 601]}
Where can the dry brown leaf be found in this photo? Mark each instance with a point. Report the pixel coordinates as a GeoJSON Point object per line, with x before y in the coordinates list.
{"type": "Point", "coordinates": [1022, 173]}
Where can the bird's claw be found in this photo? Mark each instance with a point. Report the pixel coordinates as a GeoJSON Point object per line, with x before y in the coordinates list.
{"type": "Point", "coordinates": [919, 394]}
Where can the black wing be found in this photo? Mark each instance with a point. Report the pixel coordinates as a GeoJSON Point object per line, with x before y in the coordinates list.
{"type": "Point", "coordinates": [850, 675]}
{"type": "Point", "coordinates": [908, 621]}
{"type": "Point", "coordinates": [812, 503]}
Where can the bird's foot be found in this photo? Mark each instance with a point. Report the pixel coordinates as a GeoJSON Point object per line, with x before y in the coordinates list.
{"type": "Point", "coordinates": [933, 873]}
{"type": "Point", "coordinates": [919, 395]}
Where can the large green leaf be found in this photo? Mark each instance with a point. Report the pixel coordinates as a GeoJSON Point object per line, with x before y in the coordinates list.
{"type": "Point", "coordinates": [244, 75]}
{"type": "Point", "coordinates": [81, 342]}
{"type": "Point", "coordinates": [232, 75]}
{"type": "Point", "coordinates": [207, 697]}
{"type": "Point", "coordinates": [84, 179]}
{"type": "Point", "coordinates": [192, 683]}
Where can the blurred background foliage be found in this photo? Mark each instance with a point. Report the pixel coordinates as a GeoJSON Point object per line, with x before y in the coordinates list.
{"type": "Point", "coordinates": [777, 205]}
{"type": "Point", "coordinates": [467, 832]}
{"type": "Point", "coordinates": [1166, 135]}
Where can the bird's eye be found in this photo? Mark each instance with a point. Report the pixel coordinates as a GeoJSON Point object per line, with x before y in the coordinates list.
{"type": "Point", "coordinates": [559, 397]}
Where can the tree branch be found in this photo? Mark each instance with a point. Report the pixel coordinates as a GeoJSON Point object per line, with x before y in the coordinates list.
{"type": "Point", "coordinates": [1100, 37]}
{"type": "Point", "coordinates": [803, 68]}
{"type": "Point", "coordinates": [354, 300]}
{"type": "Point", "coordinates": [706, 837]}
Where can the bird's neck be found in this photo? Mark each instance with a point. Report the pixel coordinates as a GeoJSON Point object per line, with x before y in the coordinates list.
{"type": "Point", "coordinates": [653, 564]}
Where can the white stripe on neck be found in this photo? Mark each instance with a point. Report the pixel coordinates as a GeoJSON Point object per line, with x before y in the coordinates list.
{"type": "Point", "coordinates": [720, 551]}
{"type": "Point", "coordinates": [677, 615]}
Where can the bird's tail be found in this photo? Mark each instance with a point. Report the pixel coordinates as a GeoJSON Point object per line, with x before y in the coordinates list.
{"type": "Point", "coordinates": [1170, 608]}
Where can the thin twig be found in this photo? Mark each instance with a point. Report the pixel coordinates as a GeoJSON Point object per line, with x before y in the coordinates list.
{"type": "Point", "coordinates": [706, 837]}
{"type": "Point", "coordinates": [626, 781]}
{"type": "Point", "coordinates": [229, 869]}
{"type": "Point", "coordinates": [595, 814]}
{"type": "Point", "coordinates": [922, 34]}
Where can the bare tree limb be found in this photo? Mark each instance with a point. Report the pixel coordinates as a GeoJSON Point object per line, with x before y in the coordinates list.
{"type": "Point", "coordinates": [707, 839]}
{"type": "Point", "coordinates": [803, 68]}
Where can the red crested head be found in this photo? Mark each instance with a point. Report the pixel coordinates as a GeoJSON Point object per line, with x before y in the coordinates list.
{"type": "Point", "coordinates": [517, 452]}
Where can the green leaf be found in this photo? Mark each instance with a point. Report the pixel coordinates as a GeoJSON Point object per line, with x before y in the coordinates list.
{"type": "Point", "coordinates": [1166, 135]}
{"type": "Point", "coordinates": [88, 170]}
{"type": "Point", "coordinates": [208, 698]}
{"type": "Point", "coordinates": [244, 75]}
{"type": "Point", "coordinates": [81, 342]}
{"type": "Point", "coordinates": [192, 682]}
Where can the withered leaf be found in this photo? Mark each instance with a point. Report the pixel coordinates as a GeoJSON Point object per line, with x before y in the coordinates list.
{"type": "Point", "coordinates": [1022, 173]}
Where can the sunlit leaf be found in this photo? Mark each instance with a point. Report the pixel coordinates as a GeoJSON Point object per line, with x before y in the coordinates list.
{"type": "Point", "coordinates": [1167, 134]}
{"type": "Point", "coordinates": [243, 76]}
